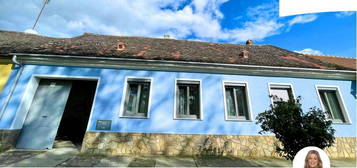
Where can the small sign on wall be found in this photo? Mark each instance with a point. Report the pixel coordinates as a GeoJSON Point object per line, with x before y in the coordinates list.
{"type": "Point", "coordinates": [103, 124]}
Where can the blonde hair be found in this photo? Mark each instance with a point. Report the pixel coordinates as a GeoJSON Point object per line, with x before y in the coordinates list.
{"type": "Point", "coordinates": [319, 164]}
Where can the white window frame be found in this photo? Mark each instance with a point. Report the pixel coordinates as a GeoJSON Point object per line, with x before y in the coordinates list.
{"type": "Point", "coordinates": [125, 92]}
{"type": "Point", "coordinates": [283, 85]}
{"type": "Point", "coordinates": [237, 83]}
{"type": "Point", "coordinates": [177, 81]}
{"type": "Point", "coordinates": [340, 101]}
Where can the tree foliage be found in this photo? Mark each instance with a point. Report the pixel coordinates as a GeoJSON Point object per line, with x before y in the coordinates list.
{"type": "Point", "coordinates": [296, 129]}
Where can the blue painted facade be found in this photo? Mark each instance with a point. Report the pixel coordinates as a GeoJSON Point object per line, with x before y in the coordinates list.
{"type": "Point", "coordinates": [109, 94]}
{"type": "Point", "coordinates": [4, 94]}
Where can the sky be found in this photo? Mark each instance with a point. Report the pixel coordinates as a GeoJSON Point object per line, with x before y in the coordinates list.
{"type": "Point", "coordinates": [223, 21]}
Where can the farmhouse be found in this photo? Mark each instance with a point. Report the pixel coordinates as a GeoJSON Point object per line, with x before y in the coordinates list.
{"type": "Point", "coordinates": [132, 95]}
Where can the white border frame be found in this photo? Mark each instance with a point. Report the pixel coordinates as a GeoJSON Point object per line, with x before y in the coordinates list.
{"type": "Point", "coordinates": [122, 103]}
{"type": "Point", "coordinates": [237, 83]}
{"type": "Point", "coordinates": [340, 99]}
{"type": "Point", "coordinates": [175, 96]}
{"type": "Point", "coordinates": [281, 84]}
{"type": "Point", "coordinates": [32, 86]}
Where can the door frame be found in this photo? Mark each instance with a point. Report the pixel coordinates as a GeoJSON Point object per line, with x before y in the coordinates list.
{"type": "Point", "coordinates": [31, 88]}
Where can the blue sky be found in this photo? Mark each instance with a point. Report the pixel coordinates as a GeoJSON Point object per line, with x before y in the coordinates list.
{"type": "Point", "coordinates": [225, 21]}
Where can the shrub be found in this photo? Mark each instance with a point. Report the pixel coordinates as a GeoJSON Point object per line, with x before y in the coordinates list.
{"type": "Point", "coordinates": [296, 129]}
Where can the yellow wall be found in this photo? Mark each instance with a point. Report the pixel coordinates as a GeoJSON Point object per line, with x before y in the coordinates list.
{"type": "Point", "coordinates": [5, 70]}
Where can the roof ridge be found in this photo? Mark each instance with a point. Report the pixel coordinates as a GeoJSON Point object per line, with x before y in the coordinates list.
{"type": "Point", "coordinates": [158, 38]}
{"type": "Point", "coordinates": [293, 52]}
{"type": "Point", "coordinates": [328, 56]}
{"type": "Point", "coordinates": [31, 34]}
{"type": "Point", "coordinates": [95, 34]}
{"type": "Point", "coordinates": [126, 36]}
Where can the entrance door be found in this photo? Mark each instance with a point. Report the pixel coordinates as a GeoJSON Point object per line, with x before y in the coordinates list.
{"type": "Point", "coordinates": [42, 121]}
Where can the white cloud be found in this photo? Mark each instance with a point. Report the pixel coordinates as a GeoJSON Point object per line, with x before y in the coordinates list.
{"type": "Point", "coordinates": [31, 31]}
{"type": "Point", "coordinates": [264, 23]}
{"type": "Point", "coordinates": [256, 30]}
{"type": "Point", "coordinates": [181, 19]}
{"type": "Point", "coordinates": [302, 19]}
{"type": "Point", "coordinates": [310, 51]}
{"type": "Point", "coordinates": [344, 14]}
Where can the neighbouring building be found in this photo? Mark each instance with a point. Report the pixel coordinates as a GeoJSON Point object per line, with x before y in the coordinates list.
{"type": "Point", "coordinates": [5, 70]}
{"type": "Point", "coordinates": [132, 95]}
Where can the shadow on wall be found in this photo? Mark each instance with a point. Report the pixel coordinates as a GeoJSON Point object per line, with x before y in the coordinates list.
{"type": "Point", "coordinates": [353, 89]}
{"type": "Point", "coordinates": [212, 105]}
{"type": "Point", "coordinates": [9, 108]}
{"type": "Point", "coordinates": [177, 144]}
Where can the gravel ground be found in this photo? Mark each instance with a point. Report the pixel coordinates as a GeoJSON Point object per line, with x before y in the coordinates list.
{"type": "Point", "coordinates": [60, 158]}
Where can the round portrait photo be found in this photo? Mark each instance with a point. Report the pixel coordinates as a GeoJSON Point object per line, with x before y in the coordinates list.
{"type": "Point", "coordinates": [311, 157]}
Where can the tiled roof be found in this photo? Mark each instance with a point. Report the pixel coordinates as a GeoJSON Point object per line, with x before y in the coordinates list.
{"type": "Point", "coordinates": [159, 49]}
{"type": "Point", "coordinates": [341, 61]}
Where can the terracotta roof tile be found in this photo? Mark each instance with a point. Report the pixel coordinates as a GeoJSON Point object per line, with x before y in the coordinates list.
{"type": "Point", "coordinates": [159, 49]}
{"type": "Point", "coordinates": [341, 61]}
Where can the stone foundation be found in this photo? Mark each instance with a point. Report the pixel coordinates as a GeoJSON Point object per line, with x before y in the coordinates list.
{"type": "Point", "coordinates": [8, 139]}
{"type": "Point", "coordinates": [189, 144]}
{"type": "Point", "coordinates": [344, 147]}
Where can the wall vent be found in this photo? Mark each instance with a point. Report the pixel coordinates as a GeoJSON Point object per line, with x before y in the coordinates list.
{"type": "Point", "coordinates": [244, 54]}
{"type": "Point", "coordinates": [121, 46]}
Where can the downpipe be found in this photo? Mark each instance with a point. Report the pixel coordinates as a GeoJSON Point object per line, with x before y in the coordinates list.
{"type": "Point", "coordinates": [16, 62]}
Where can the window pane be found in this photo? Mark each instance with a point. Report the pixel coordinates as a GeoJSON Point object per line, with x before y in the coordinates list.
{"type": "Point", "coordinates": [144, 98]}
{"type": "Point", "coordinates": [132, 98]}
{"type": "Point", "coordinates": [335, 106]}
{"type": "Point", "coordinates": [282, 93]}
{"type": "Point", "coordinates": [188, 100]}
{"type": "Point", "coordinates": [137, 98]}
{"type": "Point", "coordinates": [242, 102]}
{"type": "Point", "coordinates": [194, 100]}
{"type": "Point", "coordinates": [236, 102]}
{"type": "Point", "coordinates": [332, 105]}
{"type": "Point", "coordinates": [323, 96]}
{"type": "Point", "coordinates": [182, 100]}
{"type": "Point", "coordinates": [231, 109]}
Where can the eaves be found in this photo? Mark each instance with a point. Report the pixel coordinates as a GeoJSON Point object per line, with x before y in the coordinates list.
{"type": "Point", "coordinates": [181, 66]}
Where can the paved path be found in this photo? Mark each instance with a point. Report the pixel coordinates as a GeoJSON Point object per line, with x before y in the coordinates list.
{"type": "Point", "coordinates": [50, 158]}
{"type": "Point", "coordinates": [11, 157]}
{"type": "Point", "coordinates": [70, 157]}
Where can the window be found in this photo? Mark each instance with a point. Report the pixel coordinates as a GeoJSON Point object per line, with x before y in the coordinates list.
{"type": "Point", "coordinates": [188, 99]}
{"type": "Point", "coordinates": [236, 101]}
{"type": "Point", "coordinates": [332, 103]}
{"type": "Point", "coordinates": [137, 95]}
{"type": "Point", "coordinates": [281, 92]}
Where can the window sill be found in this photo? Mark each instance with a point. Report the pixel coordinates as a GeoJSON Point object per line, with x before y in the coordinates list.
{"type": "Point", "coordinates": [188, 119]}
{"type": "Point", "coordinates": [134, 117]}
{"type": "Point", "coordinates": [239, 120]}
{"type": "Point", "coordinates": [341, 123]}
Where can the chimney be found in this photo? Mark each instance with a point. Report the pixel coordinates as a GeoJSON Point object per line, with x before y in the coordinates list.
{"type": "Point", "coordinates": [244, 54]}
{"type": "Point", "coordinates": [166, 36]}
{"type": "Point", "coordinates": [249, 42]}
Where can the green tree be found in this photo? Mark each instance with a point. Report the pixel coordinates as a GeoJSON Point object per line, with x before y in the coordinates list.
{"type": "Point", "coordinates": [296, 129]}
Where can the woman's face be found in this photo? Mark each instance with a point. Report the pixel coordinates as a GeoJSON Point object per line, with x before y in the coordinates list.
{"type": "Point", "coordinates": [312, 160]}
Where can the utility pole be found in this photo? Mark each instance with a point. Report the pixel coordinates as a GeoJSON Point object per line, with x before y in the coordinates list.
{"type": "Point", "coordinates": [38, 17]}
